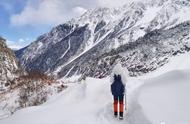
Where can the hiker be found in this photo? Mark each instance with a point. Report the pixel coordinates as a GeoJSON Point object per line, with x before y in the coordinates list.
{"type": "Point", "coordinates": [118, 80]}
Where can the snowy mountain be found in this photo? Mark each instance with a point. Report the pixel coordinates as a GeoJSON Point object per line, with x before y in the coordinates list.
{"type": "Point", "coordinates": [143, 35]}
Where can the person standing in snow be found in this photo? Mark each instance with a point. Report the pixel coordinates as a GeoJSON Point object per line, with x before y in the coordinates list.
{"type": "Point", "coordinates": [118, 80]}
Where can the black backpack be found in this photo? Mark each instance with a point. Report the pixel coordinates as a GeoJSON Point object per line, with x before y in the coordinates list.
{"type": "Point", "coordinates": [117, 88]}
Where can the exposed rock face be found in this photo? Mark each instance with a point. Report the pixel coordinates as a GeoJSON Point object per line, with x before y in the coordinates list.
{"type": "Point", "coordinates": [8, 65]}
{"type": "Point", "coordinates": [143, 35]}
{"type": "Point", "coordinates": [19, 88]}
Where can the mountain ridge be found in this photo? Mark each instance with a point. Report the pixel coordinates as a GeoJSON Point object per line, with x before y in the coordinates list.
{"type": "Point", "coordinates": [97, 32]}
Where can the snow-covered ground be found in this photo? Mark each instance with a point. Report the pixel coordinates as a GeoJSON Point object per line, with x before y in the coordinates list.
{"type": "Point", "coordinates": [165, 99]}
{"type": "Point", "coordinates": [87, 102]}
{"type": "Point", "coordinates": [160, 98]}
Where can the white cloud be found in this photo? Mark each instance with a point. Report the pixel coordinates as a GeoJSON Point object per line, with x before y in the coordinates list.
{"type": "Point", "coordinates": [16, 45]}
{"type": "Point", "coordinates": [53, 12]}
{"type": "Point", "coordinates": [79, 10]}
{"type": "Point", "coordinates": [114, 3]}
{"type": "Point", "coordinates": [45, 12]}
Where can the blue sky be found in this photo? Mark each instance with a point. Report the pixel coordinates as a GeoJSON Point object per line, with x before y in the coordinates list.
{"type": "Point", "coordinates": [18, 36]}
{"type": "Point", "coordinates": [22, 21]}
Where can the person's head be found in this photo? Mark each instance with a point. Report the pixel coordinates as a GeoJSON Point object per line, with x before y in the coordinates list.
{"type": "Point", "coordinates": [117, 77]}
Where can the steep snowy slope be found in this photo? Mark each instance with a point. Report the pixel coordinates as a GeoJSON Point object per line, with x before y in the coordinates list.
{"type": "Point", "coordinates": [68, 48]}
{"type": "Point", "coordinates": [146, 54]}
{"type": "Point", "coordinates": [163, 99]}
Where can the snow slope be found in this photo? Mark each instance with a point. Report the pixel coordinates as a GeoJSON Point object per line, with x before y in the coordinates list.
{"type": "Point", "coordinates": [165, 99]}
{"type": "Point", "coordinates": [159, 100]}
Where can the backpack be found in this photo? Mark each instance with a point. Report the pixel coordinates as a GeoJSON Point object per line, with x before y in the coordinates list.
{"type": "Point", "coordinates": [117, 88]}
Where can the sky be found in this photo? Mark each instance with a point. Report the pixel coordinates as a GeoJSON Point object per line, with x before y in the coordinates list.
{"type": "Point", "coordinates": [22, 21]}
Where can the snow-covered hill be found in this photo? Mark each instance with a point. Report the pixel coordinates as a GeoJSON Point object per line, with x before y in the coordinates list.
{"type": "Point", "coordinates": [82, 43]}
{"type": "Point", "coordinates": [158, 100]}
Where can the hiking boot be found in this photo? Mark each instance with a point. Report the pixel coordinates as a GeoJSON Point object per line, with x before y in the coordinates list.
{"type": "Point", "coordinates": [115, 114]}
{"type": "Point", "coordinates": [120, 118]}
{"type": "Point", "coordinates": [121, 115]}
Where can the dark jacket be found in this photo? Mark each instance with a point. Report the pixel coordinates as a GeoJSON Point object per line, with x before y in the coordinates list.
{"type": "Point", "coordinates": [117, 88]}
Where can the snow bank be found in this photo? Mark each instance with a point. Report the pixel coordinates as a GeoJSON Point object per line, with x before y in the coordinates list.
{"type": "Point", "coordinates": [165, 99]}
{"type": "Point", "coordinates": [80, 103]}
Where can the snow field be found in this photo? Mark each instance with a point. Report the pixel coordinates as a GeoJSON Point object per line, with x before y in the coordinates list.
{"type": "Point", "coordinates": [158, 98]}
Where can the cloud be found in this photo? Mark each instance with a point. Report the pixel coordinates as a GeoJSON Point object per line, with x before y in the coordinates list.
{"type": "Point", "coordinates": [45, 12]}
{"type": "Point", "coordinates": [114, 3]}
{"type": "Point", "coordinates": [16, 45]}
{"type": "Point", "coordinates": [111, 3]}
{"type": "Point", "coordinates": [53, 12]}
{"type": "Point", "coordinates": [79, 10]}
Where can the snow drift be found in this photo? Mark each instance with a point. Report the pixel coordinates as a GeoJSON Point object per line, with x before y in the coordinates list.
{"type": "Point", "coordinates": [165, 99]}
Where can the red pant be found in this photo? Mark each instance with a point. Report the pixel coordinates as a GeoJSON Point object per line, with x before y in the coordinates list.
{"type": "Point", "coordinates": [116, 101]}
